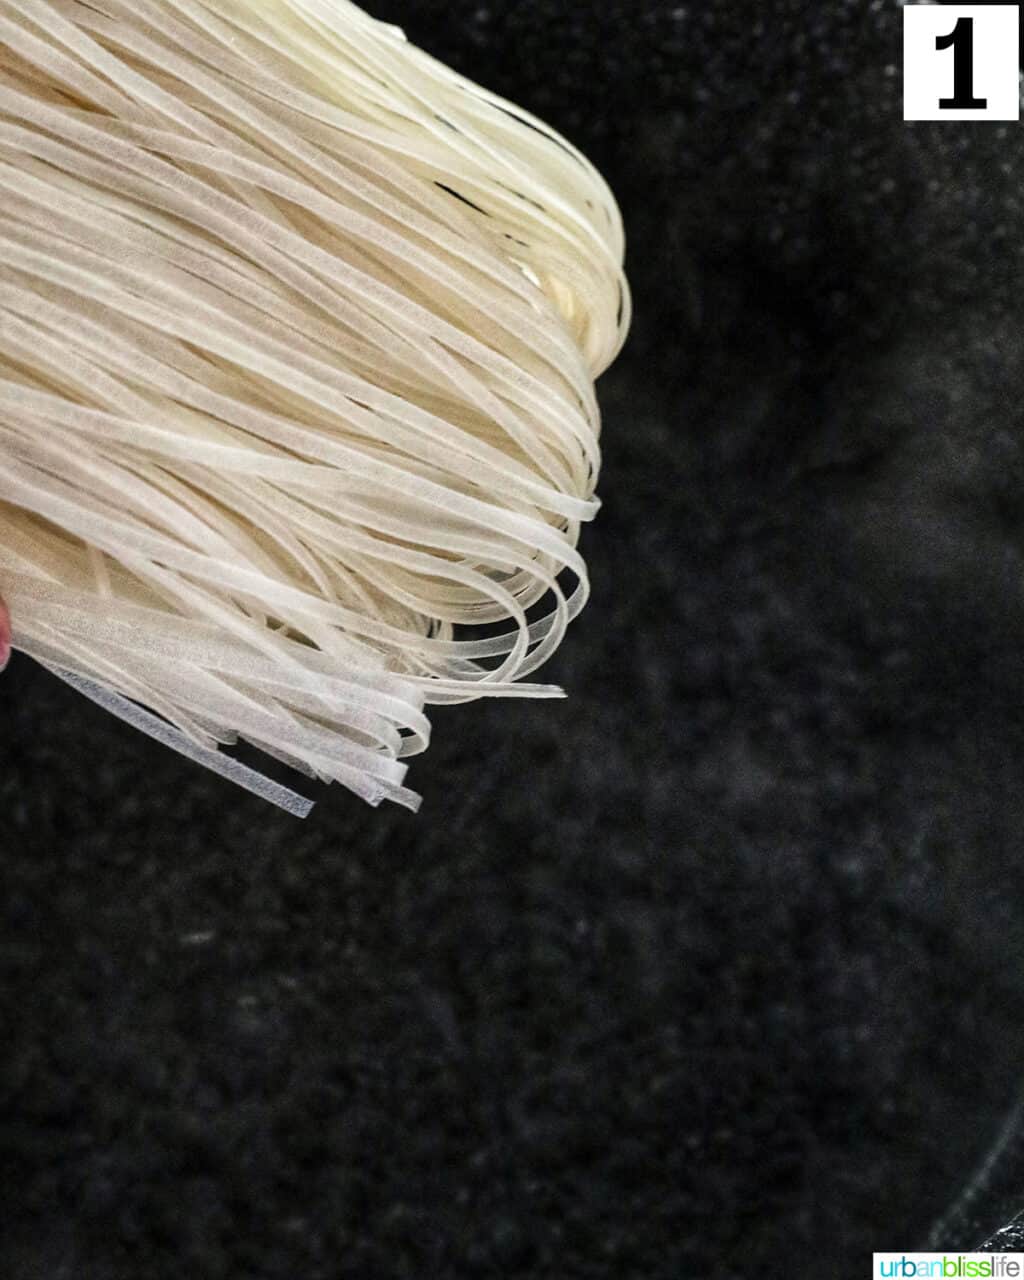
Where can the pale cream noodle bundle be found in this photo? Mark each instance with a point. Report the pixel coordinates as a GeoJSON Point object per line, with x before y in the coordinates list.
{"type": "Point", "coordinates": [298, 339]}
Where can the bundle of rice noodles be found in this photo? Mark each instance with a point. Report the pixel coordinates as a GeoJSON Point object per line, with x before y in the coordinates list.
{"type": "Point", "coordinates": [298, 339]}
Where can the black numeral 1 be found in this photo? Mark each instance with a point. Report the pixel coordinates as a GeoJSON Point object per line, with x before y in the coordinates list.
{"type": "Point", "coordinates": [962, 40]}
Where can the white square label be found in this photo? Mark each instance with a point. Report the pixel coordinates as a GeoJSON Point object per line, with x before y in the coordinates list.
{"type": "Point", "coordinates": [961, 62]}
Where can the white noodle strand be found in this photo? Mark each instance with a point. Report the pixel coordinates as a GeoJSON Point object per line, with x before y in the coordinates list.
{"type": "Point", "coordinates": [298, 338]}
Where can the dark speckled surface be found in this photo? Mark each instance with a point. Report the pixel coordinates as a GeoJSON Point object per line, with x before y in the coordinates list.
{"type": "Point", "coordinates": [718, 965]}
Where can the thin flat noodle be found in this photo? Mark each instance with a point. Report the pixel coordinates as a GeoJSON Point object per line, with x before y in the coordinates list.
{"type": "Point", "coordinates": [286, 799]}
{"type": "Point", "coordinates": [298, 339]}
